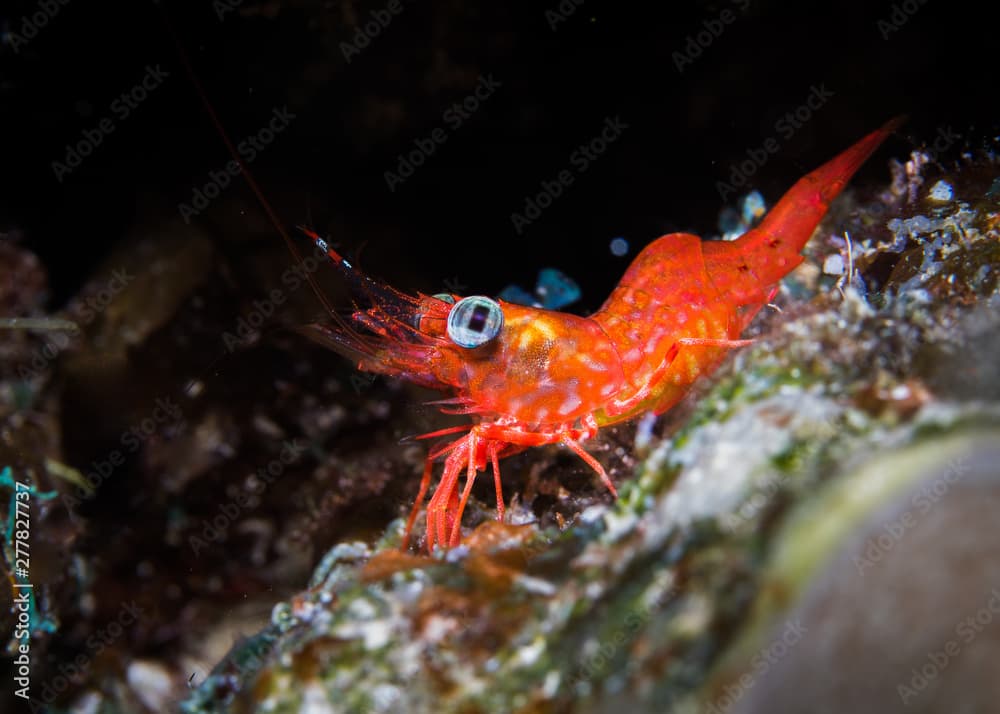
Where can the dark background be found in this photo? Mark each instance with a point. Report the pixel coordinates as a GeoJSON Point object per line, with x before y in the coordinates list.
{"type": "Point", "coordinates": [451, 220]}
{"type": "Point", "coordinates": [449, 223]}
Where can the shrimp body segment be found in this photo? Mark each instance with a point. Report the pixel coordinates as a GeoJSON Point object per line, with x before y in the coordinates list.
{"type": "Point", "coordinates": [529, 376]}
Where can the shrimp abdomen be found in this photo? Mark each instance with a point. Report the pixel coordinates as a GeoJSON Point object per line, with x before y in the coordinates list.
{"type": "Point", "coordinates": [666, 295]}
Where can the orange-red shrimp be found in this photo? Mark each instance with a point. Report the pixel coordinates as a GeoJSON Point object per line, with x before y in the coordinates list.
{"type": "Point", "coordinates": [529, 376]}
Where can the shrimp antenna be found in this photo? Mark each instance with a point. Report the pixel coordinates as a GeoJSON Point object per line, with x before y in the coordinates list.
{"type": "Point", "coordinates": [265, 204]}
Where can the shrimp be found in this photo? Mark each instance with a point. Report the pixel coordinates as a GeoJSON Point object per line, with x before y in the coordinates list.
{"type": "Point", "coordinates": [529, 376]}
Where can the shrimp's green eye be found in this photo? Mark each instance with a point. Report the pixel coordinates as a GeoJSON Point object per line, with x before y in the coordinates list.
{"type": "Point", "coordinates": [474, 321]}
{"type": "Point", "coordinates": [445, 297]}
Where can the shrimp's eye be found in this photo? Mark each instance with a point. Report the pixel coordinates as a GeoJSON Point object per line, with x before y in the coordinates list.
{"type": "Point", "coordinates": [445, 297]}
{"type": "Point", "coordinates": [474, 321]}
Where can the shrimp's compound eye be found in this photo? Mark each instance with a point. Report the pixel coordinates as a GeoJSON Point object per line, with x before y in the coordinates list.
{"type": "Point", "coordinates": [474, 321]}
{"type": "Point", "coordinates": [450, 299]}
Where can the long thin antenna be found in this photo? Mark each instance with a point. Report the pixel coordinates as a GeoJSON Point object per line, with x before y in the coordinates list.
{"type": "Point", "coordinates": [210, 109]}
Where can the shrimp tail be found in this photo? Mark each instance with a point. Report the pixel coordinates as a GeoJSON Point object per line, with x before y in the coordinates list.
{"type": "Point", "coordinates": [743, 270]}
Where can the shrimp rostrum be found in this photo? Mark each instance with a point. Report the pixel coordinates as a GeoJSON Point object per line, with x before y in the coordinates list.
{"type": "Point", "coordinates": [529, 376]}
